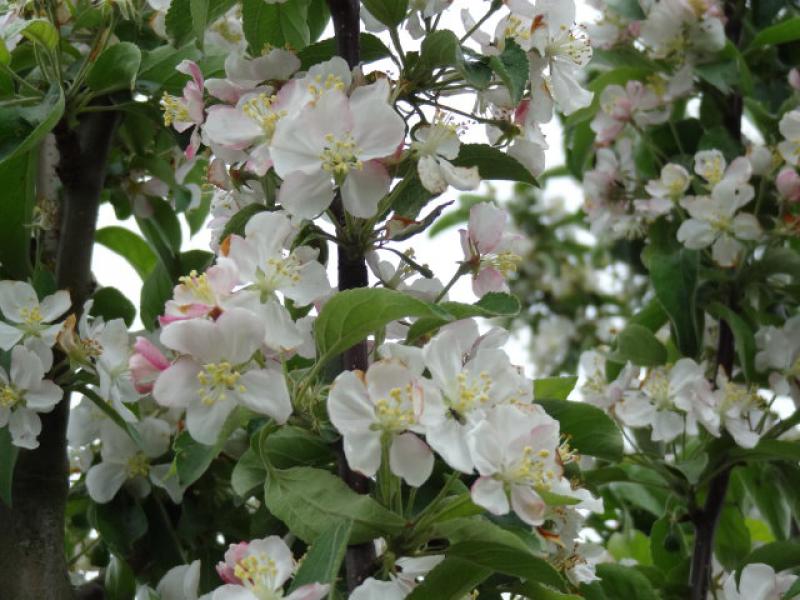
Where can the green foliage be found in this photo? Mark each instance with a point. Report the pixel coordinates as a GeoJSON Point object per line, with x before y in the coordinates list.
{"type": "Point", "coordinates": [120, 583]}
{"type": "Point", "coordinates": [129, 246]}
{"type": "Point", "coordinates": [513, 69]}
{"type": "Point", "coordinates": [389, 12]}
{"type": "Point", "coordinates": [16, 214]}
{"type": "Point", "coordinates": [23, 127]}
{"type": "Point", "coordinates": [323, 561]}
{"type": "Point", "coordinates": [589, 430]}
{"type": "Point", "coordinates": [638, 345]}
{"type": "Point", "coordinates": [115, 69]}
{"type": "Point", "coordinates": [372, 49]}
{"type": "Point", "coordinates": [553, 388]}
{"type": "Point", "coordinates": [493, 164]}
{"type": "Point", "coordinates": [110, 303]}
{"type": "Point", "coordinates": [276, 25]}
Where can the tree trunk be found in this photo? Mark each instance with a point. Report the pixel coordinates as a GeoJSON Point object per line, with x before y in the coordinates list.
{"type": "Point", "coordinates": [32, 561]}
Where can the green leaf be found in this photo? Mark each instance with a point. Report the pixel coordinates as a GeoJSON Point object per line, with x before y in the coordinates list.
{"type": "Point", "coordinates": [674, 277]}
{"type": "Point", "coordinates": [318, 18]}
{"type": "Point", "coordinates": [638, 345]}
{"type": "Point", "coordinates": [199, 11]}
{"type": "Point", "coordinates": [479, 529]}
{"type": "Point", "coordinates": [279, 25]}
{"type": "Point", "coordinates": [759, 480]}
{"type": "Point", "coordinates": [553, 388]}
{"type": "Point", "coordinates": [248, 474]}
{"type": "Point", "coordinates": [17, 177]}
{"type": "Point", "coordinates": [372, 49]}
{"type": "Point", "coordinates": [156, 290]}
{"type": "Point", "coordinates": [667, 544]}
{"type": "Point", "coordinates": [120, 583]}
{"type": "Point", "coordinates": [350, 316]}
{"type": "Point", "coordinates": [8, 458]}
{"type": "Point", "coordinates": [41, 31]}
{"type": "Point", "coordinates": [625, 582]}
{"type": "Point", "coordinates": [589, 430]}
{"type": "Point", "coordinates": [630, 544]}
{"type": "Point", "coordinates": [493, 164]}
{"type": "Point", "coordinates": [508, 561]}
{"type": "Point", "coordinates": [778, 555]}
{"type": "Point", "coordinates": [630, 9]}
{"type": "Point", "coordinates": [439, 49]}
{"type": "Point", "coordinates": [536, 591]}
{"type": "Point", "coordinates": [493, 304]}
{"type": "Point", "coordinates": [782, 33]}
{"type": "Point", "coordinates": [451, 578]}
{"type": "Point", "coordinates": [389, 12]}
{"type": "Point", "coordinates": [768, 449]}
{"type": "Point", "coordinates": [180, 20]}
{"type": "Point", "coordinates": [192, 458]}
{"type": "Point", "coordinates": [22, 127]}
{"type": "Point", "coordinates": [793, 591]}
{"type": "Point", "coordinates": [119, 523]}
{"type": "Point", "coordinates": [323, 561]}
{"type": "Point", "coordinates": [292, 446]}
{"type": "Point", "coordinates": [308, 500]}
{"type": "Point", "coordinates": [732, 539]}
{"type": "Point", "coordinates": [513, 68]}
{"type": "Point", "coordinates": [163, 232]}
{"type": "Point", "coordinates": [110, 303]}
{"type": "Point", "coordinates": [129, 246]}
{"type": "Point", "coordinates": [237, 223]}
{"type": "Point", "coordinates": [115, 68]}
{"type": "Point", "coordinates": [743, 335]}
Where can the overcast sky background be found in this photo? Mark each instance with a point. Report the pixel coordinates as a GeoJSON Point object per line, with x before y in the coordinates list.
{"type": "Point", "coordinates": [440, 253]}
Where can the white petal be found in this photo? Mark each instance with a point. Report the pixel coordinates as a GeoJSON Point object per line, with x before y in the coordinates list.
{"type": "Point", "coordinates": [349, 406]}
{"type": "Point", "coordinates": [104, 480]}
{"type": "Point", "coordinates": [25, 427]}
{"type": "Point", "coordinates": [696, 234]}
{"type": "Point", "coordinates": [14, 297]}
{"type": "Point", "coordinates": [411, 459]}
{"type": "Point", "coordinates": [727, 251]}
{"type": "Point", "coordinates": [55, 305]}
{"type": "Point", "coordinates": [205, 421]}
{"type": "Point", "coordinates": [178, 386]}
{"type": "Point", "coordinates": [363, 451]}
{"type": "Point", "coordinates": [364, 188]}
{"type": "Point", "coordinates": [489, 493]}
{"type": "Point", "coordinates": [528, 505]}
{"type": "Point", "coordinates": [9, 336]}
{"type": "Point", "coordinates": [461, 178]}
{"type": "Point", "coordinates": [306, 195]}
{"type": "Point", "coordinates": [43, 397]}
{"type": "Point", "coordinates": [163, 477]}
{"type": "Point", "coordinates": [431, 175]}
{"type": "Point", "coordinates": [266, 394]}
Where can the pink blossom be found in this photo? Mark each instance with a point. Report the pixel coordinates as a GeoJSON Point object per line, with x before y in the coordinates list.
{"type": "Point", "coordinates": [794, 79]}
{"type": "Point", "coordinates": [188, 111]}
{"type": "Point", "coordinates": [234, 554]}
{"type": "Point", "coordinates": [788, 183]}
{"type": "Point", "coordinates": [146, 362]}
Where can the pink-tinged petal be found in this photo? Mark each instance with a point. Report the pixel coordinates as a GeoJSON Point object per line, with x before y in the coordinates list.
{"type": "Point", "coordinates": [788, 184]}
{"type": "Point", "coordinates": [280, 555]}
{"type": "Point", "coordinates": [266, 393]}
{"type": "Point", "coordinates": [487, 223]}
{"type": "Point", "coordinates": [190, 68]}
{"type": "Point", "coordinates": [306, 195]}
{"type": "Point", "coordinates": [104, 480]}
{"type": "Point", "coordinates": [311, 591]}
{"type": "Point", "coordinates": [490, 494]}
{"type": "Point", "coordinates": [224, 90]}
{"type": "Point", "coordinates": [488, 280]}
{"type": "Point", "coordinates": [411, 459]}
{"type": "Point", "coordinates": [528, 505]}
{"type": "Point", "coordinates": [150, 352]}
{"type": "Point", "coordinates": [178, 386]}
{"type": "Point", "coordinates": [234, 554]}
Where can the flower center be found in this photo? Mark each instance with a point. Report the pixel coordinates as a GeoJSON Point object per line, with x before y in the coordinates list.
{"type": "Point", "coordinates": [175, 109]}
{"type": "Point", "coordinates": [533, 469]}
{"type": "Point", "coordinates": [657, 388]}
{"type": "Point", "coordinates": [226, 32]}
{"type": "Point", "coordinates": [518, 28]}
{"type": "Point", "coordinates": [331, 82]}
{"type": "Point", "coordinates": [712, 170]}
{"type": "Point", "coordinates": [278, 272]}
{"type": "Point", "coordinates": [505, 262]}
{"type": "Point", "coordinates": [257, 573]}
{"type": "Point", "coordinates": [260, 109]}
{"type": "Point", "coordinates": [138, 466]}
{"type": "Point", "coordinates": [396, 413]}
{"type": "Point", "coordinates": [738, 396]}
{"type": "Point", "coordinates": [340, 155]}
{"type": "Point", "coordinates": [216, 380]}
{"type": "Point", "coordinates": [198, 286]}
{"type": "Point", "coordinates": [470, 392]}
{"type": "Point", "coordinates": [9, 396]}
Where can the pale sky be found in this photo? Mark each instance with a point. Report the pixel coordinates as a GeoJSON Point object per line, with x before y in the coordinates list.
{"type": "Point", "coordinates": [441, 253]}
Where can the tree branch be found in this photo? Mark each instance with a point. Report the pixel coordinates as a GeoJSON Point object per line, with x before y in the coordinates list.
{"type": "Point", "coordinates": [32, 561]}
{"type": "Point", "coordinates": [352, 273]}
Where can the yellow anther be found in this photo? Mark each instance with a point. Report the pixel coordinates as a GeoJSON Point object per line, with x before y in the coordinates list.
{"type": "Point", "coordinates": [396, 412]}
{"type": "Point", "coordinates": [531, 469]}
{"type": "Point", "coordinates": [260, 109]}
{"type": "Point", "coordinates": [470, 392]}
{"type": "Point", "coordinates": [31, 316]}
{"type": "Point", "coordinates": [505, 262]}
{"type": "Point", "coordinates": [216, 379]}
{"type": "Point", "coordinates": [656, 386]}
{"type": "Point", "coordinates": [331, 82]}
{"type": "Point", "coordinates": [9, 396]}
{"type": "Point", "coordinates": [340, 155]}
{"type": "Point", "coordinates": [175, 109]}
{"type": "Point", "coordinates": [257, 573]}
{"type": "Point", "coordinates": [138, 466]}
{"type": "Point", "coordinates": [198, 286]}
{"type": "Point", "coordinates": [223, 28]}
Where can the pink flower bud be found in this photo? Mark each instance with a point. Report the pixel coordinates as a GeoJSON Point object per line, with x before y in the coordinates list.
{"type": "Point", "coordinates": [788, 183]}
{"type": "Point", "coordinates": [146, 363]}
{"type": "Point", "coordinates": [226, 568]}
{"type": "Point", "coordinates": [794, 79]}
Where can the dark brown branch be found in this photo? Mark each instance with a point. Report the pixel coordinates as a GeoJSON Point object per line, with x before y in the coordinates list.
{"type": "Point", "coordinates": [352, 273]}
{"type": "Point", "coordinates": [706, 519]}
{"type": "Point", "coordinates": [32, 561]}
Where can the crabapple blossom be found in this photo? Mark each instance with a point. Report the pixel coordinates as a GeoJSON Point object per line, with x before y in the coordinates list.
{"type": "Point", "coordinates": [683, 28]}
{"type": "Point", "coordinates": [635, 103]}
{"type": "Point", "coordinates": [24, 393]}
{"type": "Point", "coordinates": [145, 364]}
{"type": "Point", "coordinates": [758, 581]}
{"type": "Point", "coordinates": [593, 386]}
{"type": "Point", "coordinates": [436, 145]}
{"type": "Point", "coordinates": [258, 570]}
{"type": "Point", "coordinates": [112, 366]}
{"type": "Point", "coordinates": [29, 320]}
{"type": "Point", "coordinates": [490, 252]}
{"type": "Point", "coordinates": [181, 583]}
{"type": "Point", "coordinates": [386, 409]}
{"type": "Point", "coordinates": [516, 452]}
{"type": "Point", "coordinates": [124, 462]}
{"type": "Point", "coordinates": [790, 130]}
{"type": "Point", "coordinates": [243, 75]}
{"type": "Point", "coordinates": [333, 142]}
{"type": "Point", "coordinates": [666, 191]}
{"type": "Point", "coordinates": [215, 373]}
{"type": "Point", "coordinates": [714, 222]}
{"type": "Point", "coordinates": [375, 589]}
{"type": "Point", "coordinates": [712, 166]}
{"type": "Point", "coordinates": [788, 184]}
{"type": "Point", "coordinates": [739, 409]}
{"type": "Point", "coordinates": [187, 111]}
{"type": "Point", "coordinates": [779, 351]}
{"type": "Point", "coordinates": [473, 374]}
